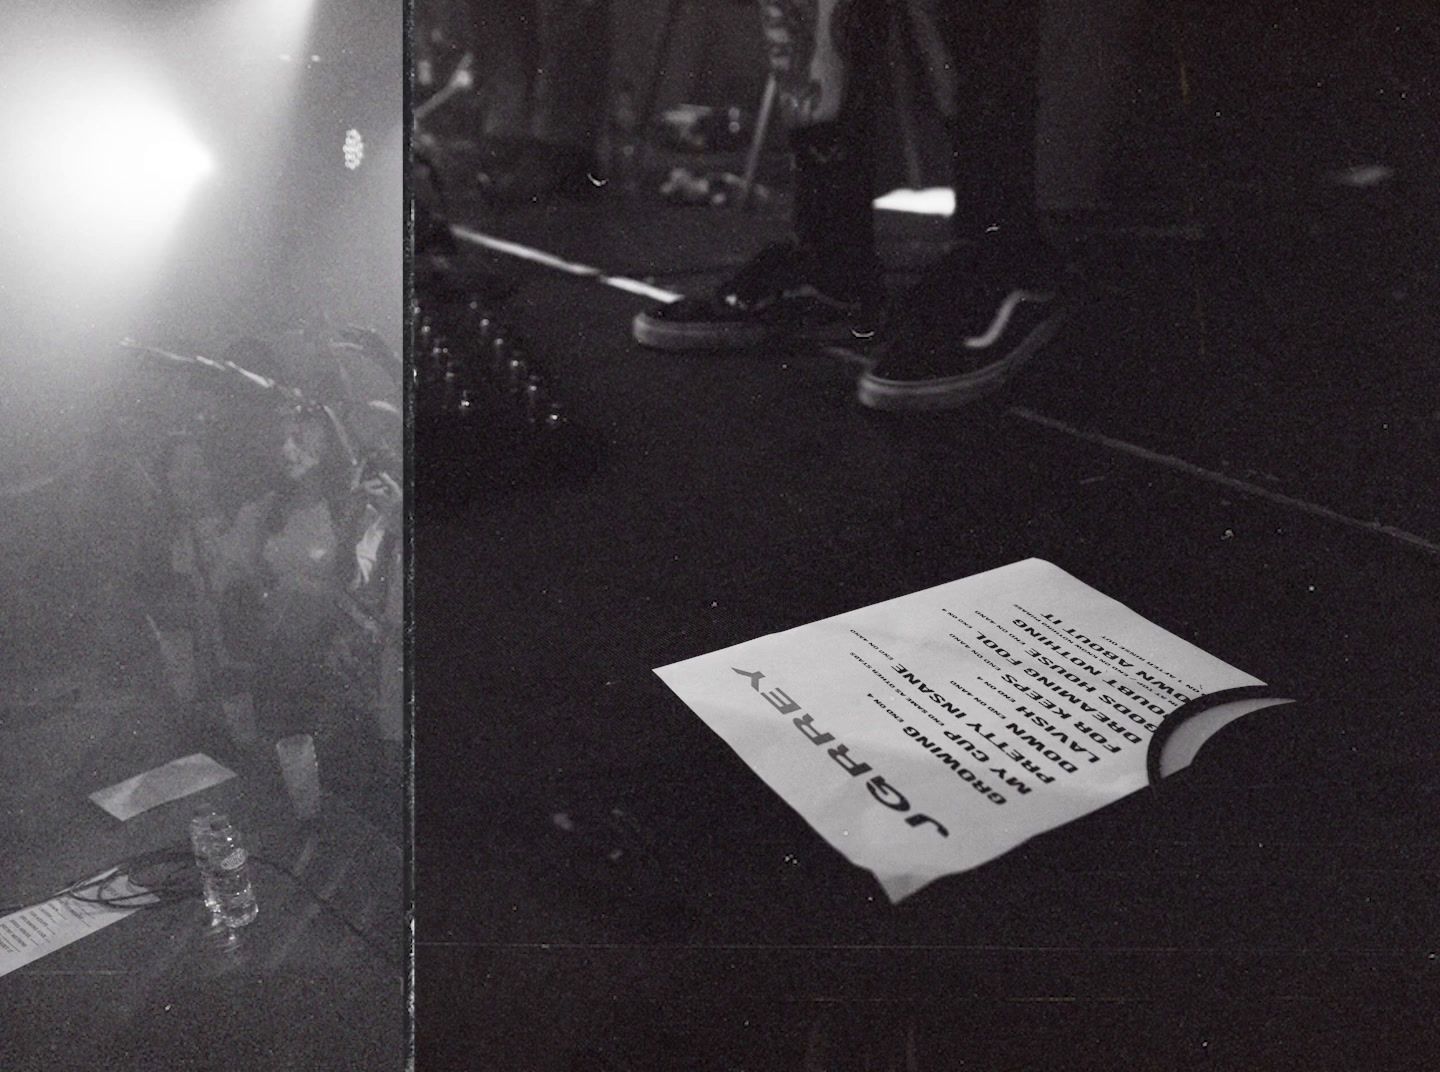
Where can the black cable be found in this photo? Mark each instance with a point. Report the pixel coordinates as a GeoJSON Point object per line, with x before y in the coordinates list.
{"type": "Point", "coordinates": [183, 886]}
{"type": "Point", "coordinates": [181, 883]}
{"type": "Point", "coordinates": [177, 885]}
{"type": "Point", "coordinates": [21, 906]}
{"type": "Point", "coordinates": [177, 882]}
{"type": "Point", "coordinates": [330, 907]}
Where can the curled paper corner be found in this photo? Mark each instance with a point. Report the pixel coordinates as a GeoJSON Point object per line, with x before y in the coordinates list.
{"type": "Point", "coordinates": [1185, 742]}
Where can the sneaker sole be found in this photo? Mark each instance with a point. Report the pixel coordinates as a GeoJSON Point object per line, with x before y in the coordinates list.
{"type": "Point", "coordinates": [952, 392]}
{"type": "Point", "coordinates": [665, 335]}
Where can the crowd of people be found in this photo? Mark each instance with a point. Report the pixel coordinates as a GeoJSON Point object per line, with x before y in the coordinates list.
{"type": "Point", "coordinates": [263, 492]}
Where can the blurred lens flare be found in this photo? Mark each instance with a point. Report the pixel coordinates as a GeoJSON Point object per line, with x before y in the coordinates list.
{"type": "Point", "coordinates": [103, 153]}
{"type": "Point", "coordinates": [104, 167]}
{"type": "Point", "coordinates": [934, 201]}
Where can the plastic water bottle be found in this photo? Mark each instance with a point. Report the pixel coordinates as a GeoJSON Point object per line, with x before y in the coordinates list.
{"type": "Point", "coordinates": [221, 859]}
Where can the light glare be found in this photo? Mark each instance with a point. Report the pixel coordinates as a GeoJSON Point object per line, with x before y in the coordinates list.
{"type": "Point", "coordinates": [935, 201]}
{"type": "Point", "coordinates": [108, 169]}
{"type": "Point", "coordinates": [107, 155]}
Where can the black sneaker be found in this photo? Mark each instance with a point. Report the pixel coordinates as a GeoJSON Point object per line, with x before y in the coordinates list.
{"type": "Point", "coordinates": [964, 331]}
{"type": "Point", "coordinates": [785, 291]}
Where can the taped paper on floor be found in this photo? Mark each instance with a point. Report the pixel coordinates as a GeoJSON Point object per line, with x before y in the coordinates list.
{"type": "Point", "coordinates": [929, 734]}
{"type": "Point", "coordinates": [176, 779]}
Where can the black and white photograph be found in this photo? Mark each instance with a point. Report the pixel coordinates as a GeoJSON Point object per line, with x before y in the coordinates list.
{"type": "Point", "coordinates": [719, 535]}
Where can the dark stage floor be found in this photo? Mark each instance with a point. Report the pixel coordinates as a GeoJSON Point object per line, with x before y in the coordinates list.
{"type": "Point", "coordinates": [1274, 910]}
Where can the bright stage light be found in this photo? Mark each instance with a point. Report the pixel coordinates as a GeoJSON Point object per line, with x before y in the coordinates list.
{"type": "Point", "coordinates": [353, 150]}
{"type": "Point", "coordinates": [116, 160]}
{"type": "Point", "coordinates": [935, 201]}
{"type": "Point", "coordinates": [100, 171]}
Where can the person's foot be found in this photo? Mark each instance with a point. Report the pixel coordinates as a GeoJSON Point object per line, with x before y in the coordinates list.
{"type": "Point", "coordinates": [786, 291]}
{"type": "Point", "coordinates": [969, 326]}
